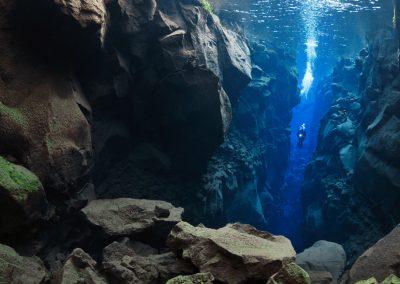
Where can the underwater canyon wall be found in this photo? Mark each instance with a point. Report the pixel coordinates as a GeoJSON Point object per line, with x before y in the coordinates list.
{"type": "Point", "coordinates": [245, 177]}
{"type": "Point", "coordinates": [110, 99]}
{"type": "Point", "coordinates": [351, 189]}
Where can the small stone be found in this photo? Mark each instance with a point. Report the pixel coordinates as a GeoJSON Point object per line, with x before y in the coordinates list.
{"type": "Point", "coordinates": [371, 280]}
{"type": "Point", "coordinates": [392, 279]}
{"type": "Point", "coordinates": [290, 274]}
{"type": "Point", "coordinates": [199, 278]}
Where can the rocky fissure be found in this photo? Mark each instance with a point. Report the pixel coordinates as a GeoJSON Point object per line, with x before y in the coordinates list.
{"type": "Point", "coordinates": [350, 188]}
{"type": "Point", "coordinates": [125, 125]}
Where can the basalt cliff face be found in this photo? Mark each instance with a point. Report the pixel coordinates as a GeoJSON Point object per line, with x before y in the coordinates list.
{"type": "Point", "coordinates": [351, 189]}
{"type": "Point", "coordinates": [113, 98]}
{"type": "Point", "coordinates": [245, 177]}
{"type": "Point", "coordinates": [107, 99]}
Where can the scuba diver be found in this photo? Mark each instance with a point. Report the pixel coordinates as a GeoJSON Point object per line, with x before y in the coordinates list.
{"type": "Point", "coordinates": [301, 135]}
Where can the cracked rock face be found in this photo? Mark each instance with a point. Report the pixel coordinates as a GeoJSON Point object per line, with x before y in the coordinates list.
{"type": "Point", "coordinates": [235, 253]}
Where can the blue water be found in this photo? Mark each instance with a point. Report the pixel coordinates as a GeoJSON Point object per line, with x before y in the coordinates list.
{"type": "Point", "coordinates": [299, 158]}
{"type": "Point", "coordinates": [319, 32]}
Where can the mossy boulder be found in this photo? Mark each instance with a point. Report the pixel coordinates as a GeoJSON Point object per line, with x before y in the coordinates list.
{"type": "Point", "coordinates": [392, 279]}
{"type": "Point", "coordinates": [290, 273]}
{"type": "Point", "coordinates": [18, 181]}
{"type": "Point", "coordinates": [371, 280]}
{"type": "Point", "coordinates": [207, 6]}
{"type": "Point", "coordinates": [22, 201]}
{"type": "Point", "coordinates": [18, 269]}
{"type": "Point", "coordinates": [199, 278]}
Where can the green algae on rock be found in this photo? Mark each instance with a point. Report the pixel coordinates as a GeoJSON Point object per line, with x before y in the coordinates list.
{"type": "Point", "coordinates": [371, 280]}
{"type": "Point", "coordinates": [199, 278]}
{"type": "Point", "coordinates": [23, 195]}
{"type": "Point", "coordinates": [17, 180]}
{"type": "Point", "coordinates": [207, 6]}
{"type": "Point", "coordinates": [290, 274]}
{"type": "Point", "coordinates": [391, 279]}
{"type": "Point", "coordinates": [13, 114]}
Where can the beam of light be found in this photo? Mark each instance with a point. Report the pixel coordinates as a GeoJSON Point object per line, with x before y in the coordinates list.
{"type": "Point", "coordinates": [308, 78]}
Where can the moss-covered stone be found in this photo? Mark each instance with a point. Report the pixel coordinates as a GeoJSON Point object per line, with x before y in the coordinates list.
{"type": "Point", "coordinates": [200, 278]}
{"type": "Point", "coordinates": [17, 181]}
{"type": "Point", "coordinates": [13, 114]}
{"type": "Point", "coordinates": [207, 6]}
{"type": "Point", "coordinates": [290, 273]}
{"type": "Point", "coordinates": [392, 279]}
{"type": "Point", "coordinates": [371, 280]}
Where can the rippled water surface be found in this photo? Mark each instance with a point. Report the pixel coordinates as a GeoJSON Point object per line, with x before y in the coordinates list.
{"type": "Point", "coordinates": [338, 27]}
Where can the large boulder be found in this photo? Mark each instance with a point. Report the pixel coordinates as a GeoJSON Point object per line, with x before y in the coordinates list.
{"type": "Point", "coordinates": [379, 261]}
{"type": "Point", "coordinates": [16, 269]}
{"type": "Point", "coordinates": [22, 200]}
{"type": "Point", "coordinates": [323, 257]}
{"type": "Point", "coordinates": [79, 268]}
{"type": "Point", "coordinates": [128, 217]}
{"type": "Point", "coordinates": [235, 253]}
{"type": "Point", "coordinates": [42, 120]}
{"type": "Point", "coordinates": [123, 264]}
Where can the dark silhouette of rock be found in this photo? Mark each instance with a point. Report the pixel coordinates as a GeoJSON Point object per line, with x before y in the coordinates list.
{"type": "Point", "coordinates": [235, 253]}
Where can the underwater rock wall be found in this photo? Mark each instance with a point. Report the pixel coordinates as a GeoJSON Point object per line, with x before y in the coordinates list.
{"type": "Point", "coordinates": [246, 175]}
{"type": "Point", "coordinates": [351, 189]}
{"type": "Point", "coordinates": [116, 98]}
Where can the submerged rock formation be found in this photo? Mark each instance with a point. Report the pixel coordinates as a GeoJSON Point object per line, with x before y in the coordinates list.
{"type": "Point", "coordinates": [129, 97]}
{"type": "Point", "coordinates": [233, 254]}
{"type": "Point", "coordinates": [18, 269]}
{"type": "Point", "coordinates": [128, 217]}
{"type": "Point", "coordinates": [109, 99]}
{"type": "Point", "coordinates": [379, 261]}
{"type": "Point", "coordinates": [23, 201]}
{"type": "Point", "coordinates": [290, 274]}
{"type": "Point", "coordinates": [79, 268]}
{"type": "Point", "coordinates": [246, 175]}
{"type": "Point", "coordinates": [324, 261]}
{"type": "Point", "coordinates": [351, 190]}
